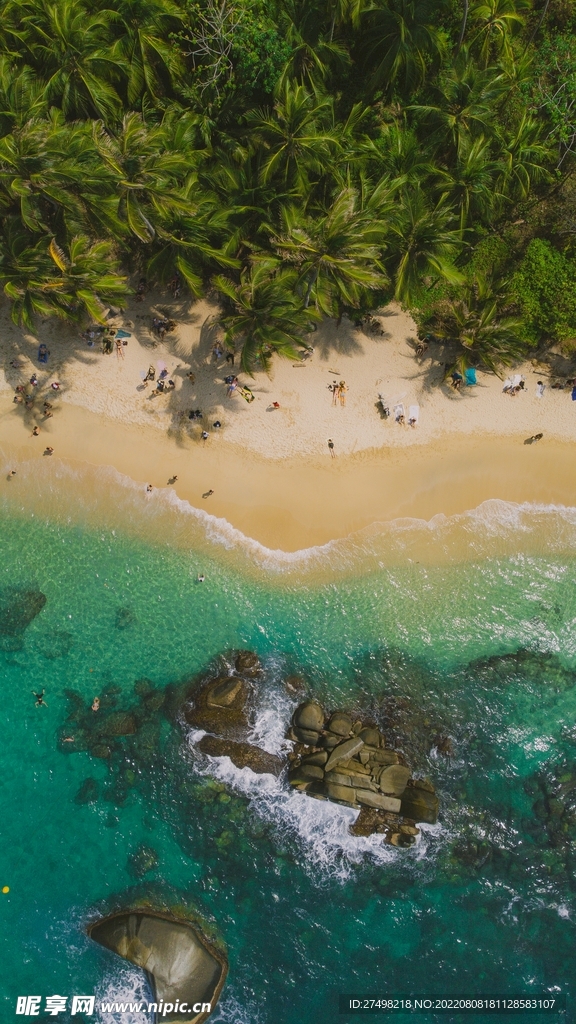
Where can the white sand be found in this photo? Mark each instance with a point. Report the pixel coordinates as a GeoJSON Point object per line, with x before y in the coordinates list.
{"type": "Point", "coordinates": [306, 419]}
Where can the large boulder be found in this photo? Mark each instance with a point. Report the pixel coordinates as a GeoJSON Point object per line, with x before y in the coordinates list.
{"type": "Point", "coordinates": [420, 803]}
{"type": "Point", "coordinates": [243, 755]}
{"type": "Point", "coordinates": [220, 706]}
{"type": "Point", "coordinates": [340, 723]}
{"type": "Point", "coordinates": [18, 608]}
{"type": "Point", "coordinates": [182, 966]}
{"type": "Point", "coordinates": [309, 715]}
{"type": "Point", "coordinates": [344, 751]}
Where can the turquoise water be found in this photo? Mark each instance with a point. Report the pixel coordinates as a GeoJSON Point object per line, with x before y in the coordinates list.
{"type": "Point", "coordinates": [482, 650]}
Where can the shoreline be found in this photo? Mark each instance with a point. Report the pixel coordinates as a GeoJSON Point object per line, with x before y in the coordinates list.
{"type": "Point", "coordinates": [297, 504]}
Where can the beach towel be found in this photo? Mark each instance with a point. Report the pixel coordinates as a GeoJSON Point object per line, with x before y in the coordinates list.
{"type": "Point", "coordinates": [574, 394]}
{"type": "Point", "coordinates": [42, 356]}
{"type": "Point", "coordinates": [398, 411]}
{"type": "Point", "coordinates": [413, 415]}
{"type": "Point", "coordinates": [516, 379]}
{"type": "Point", "coordinates": [507, 384]}
{"type": "Point", "coordinates": [123, 334]}
{"type": "Point", "coordinates": [470, 377]}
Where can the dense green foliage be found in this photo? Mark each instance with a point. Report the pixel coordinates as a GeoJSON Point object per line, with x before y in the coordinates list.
{"type": "Point", "coordinates": [297, 157]}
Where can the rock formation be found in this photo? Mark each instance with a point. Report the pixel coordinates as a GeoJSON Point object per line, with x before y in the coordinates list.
{"type": "Point", "coordinates": [182, 966]}
{"type": "Point", "coordinates": [17, 610]}
{"type": "Point", "coordinates": [335, 758]}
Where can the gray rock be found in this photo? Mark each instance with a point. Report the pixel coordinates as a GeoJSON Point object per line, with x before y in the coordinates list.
{"type": "Point", "coordinates": [384, 803]}
{"type": "Point", "coordinates": [370, 736]}
{"type": "Point", "coordinates": [340, 723]}
{"type": "Point", "coordinates": [320, 757]}
{"type": "Point", "coordinates": [309, 715]}
{"type": "Point", "coordinates": [223, 693]}
{"type": "Point", "coordinates": [419, 804]}
{"type": "Point", "coordinates": [339, 780]}
{"type": "Point", "coordinates": [342, 794]}
{"type": "Point", "coordinates": [354, 766]}
{"type": "Point", "coordinates": [363, 757]}
{"type": "Point", "coordinates": [243, 755]}
{"type": "Point", "coordinates": [344, 751]}
{"type": "Point", "coordinates": [330, 740]}
{"type": "Point", "coordinates": [384, 756]}
{"type": "Point", "coordinates": [393, 779]}
{"type": "Point", "coordinates": [311, 771]}
{"type": "Point", "coordinates": [247, 664]}
{"type": "Point", "coordinates": [307, 736]}
{"type": "Point", "coordinates": [182, 966]}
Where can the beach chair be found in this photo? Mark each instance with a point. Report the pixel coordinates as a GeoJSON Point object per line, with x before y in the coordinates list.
{"type": "Point", "coordinates": [470, 377]}
{"type": "Point", "coordinates": [398, 412]}
{"type": "Point", "coordinates": [413, 415]}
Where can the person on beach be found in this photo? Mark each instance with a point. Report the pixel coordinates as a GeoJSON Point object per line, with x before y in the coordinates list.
{"type": "Point", "coordinates": [216, 424]}
{"type": "Point", "coordinates": [331, 447]}
{"type": "Point", "coordinates": [55, 385]}
{"type": "Point", "coordinates": [35, 432]}
{"type": "Point", "coordinates": [11, 474]}
{"type": "Point", "coordinates": [275, 405]}
{"type": "Point", "coordinates": [204, 436]}
{"type": "Point", "coordinates": [230, 356]}
{"type": "Point", "coordinates": [207, 494]}
{"type": "Point", "coordinates": [342, 389]}
{"type": "Point", "coordinates": [333, 387]}
{"type": "Point", "coordinates": [34, 380]}
{"type": "Point", "coordinates": [40, 702]}
{"type": "Point", "coordinates": [148, 488]}
{"type": "Point", "coordinates": [173, 479]}
{"type": "Point", "coordinates": [191, 377]}
{"type": "Point", "coordinates": [151, 375]}
{"type": "Point", "coordinates": [539, 389]}
{"type": "Point", "coordinates": [95, 704]}
{"type": "Point", "coordinates": [456, 380]}
{"type": "Point", "coordinates": [48, 451]}
{"type": "Point", "coordinates": [536, 437]}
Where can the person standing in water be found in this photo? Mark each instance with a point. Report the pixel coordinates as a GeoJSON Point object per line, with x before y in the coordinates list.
{"type": "Point", "coordinates": [331, 447]}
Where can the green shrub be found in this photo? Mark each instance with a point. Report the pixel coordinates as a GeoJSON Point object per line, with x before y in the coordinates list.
{"type": "Point", "coordinates": [544, 287]}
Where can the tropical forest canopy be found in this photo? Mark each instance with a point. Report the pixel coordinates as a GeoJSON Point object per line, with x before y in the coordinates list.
{"type": "Point", "coordinates": [296, 158]}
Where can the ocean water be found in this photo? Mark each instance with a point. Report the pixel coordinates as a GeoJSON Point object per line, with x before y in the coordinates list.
{"type": "Point", "coordinates": [462, 628]}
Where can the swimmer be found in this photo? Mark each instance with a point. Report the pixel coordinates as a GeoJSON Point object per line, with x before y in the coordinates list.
{"type": "Point", "coordinates": [207, 494]}
{"type": "Point", "coordinates": [11, 474]}
{"type": "Point", "coordinates": [48, 451]}
{"type": "Point", "coordinates": [68, 739]}
{"type": "Point", "coordinates": [40, 702]}
{"type": "Point", "coordinates": [173, 479]}
{"type": "Point", "coordinates": [201, 577]}
{"type": "Point", "coordinates": [148, 488]}
{"type": "Point", "coordinates": [95, 704]}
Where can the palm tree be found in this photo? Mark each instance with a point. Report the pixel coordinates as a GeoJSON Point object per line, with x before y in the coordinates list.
{"type": "Point", "coordinates": [148, 171]}
{"type": "Point", "coordinates": [337, 255]}
{"type": "Point", "coordinates": [293, 136]}
{"type": "Point", "coordinates": [496, 21]}
{"type": "Point", "coordinates": [526, 158]}
{"type": "Point", "coordinates": [470, 187]}
{"type": "Point", "coordinates": [477, 323]}
{"type": "Point", "coordinates": [153, 61]}
{"type": "Point", "coordinates": [40, 279]}
{"type": "Point", "coordinates": [69, 48]}
{"type": "Point", "coordinates": [423, 242]}
{"type": "Point", "coordinates": [20, 96]}
{"type": "Point", "coordinates": [265, 314]}
{"type": "Point", "coordinates": [464, 103]}
{"type": "Point", "coordinates": [401, 42]}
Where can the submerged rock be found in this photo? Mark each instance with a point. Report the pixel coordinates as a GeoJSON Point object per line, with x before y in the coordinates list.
{"type": "Point", "coordinates": [57, 645]}
{"type": "Point", "coordinates": [88, 792]}
{"type": "Point", "coordinates": [247, 664]}
{"type": "Point", "coordinates": [182, 966]}
{"type": "Point", "coordinates": [124, 618]}
{"type": "Point", "coordinates": [143, 860]}
{"type": "Point", "coordinates": [243, 755]}
{"type": "Point", "coordinates": [18, 608]}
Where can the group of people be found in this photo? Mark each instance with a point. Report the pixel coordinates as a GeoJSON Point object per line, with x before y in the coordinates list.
{"type": "Point", "coordinates": [338, 389]}
{"type": "Point", "coordinates": [162, 325]}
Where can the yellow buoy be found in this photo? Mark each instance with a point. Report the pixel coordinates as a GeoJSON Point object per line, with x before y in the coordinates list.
{"type": "Point", "coordinates": [5, 888]}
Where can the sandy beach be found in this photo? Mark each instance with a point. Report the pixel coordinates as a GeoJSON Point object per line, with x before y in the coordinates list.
{"type": "Point", "coordinates": [270, 468]}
